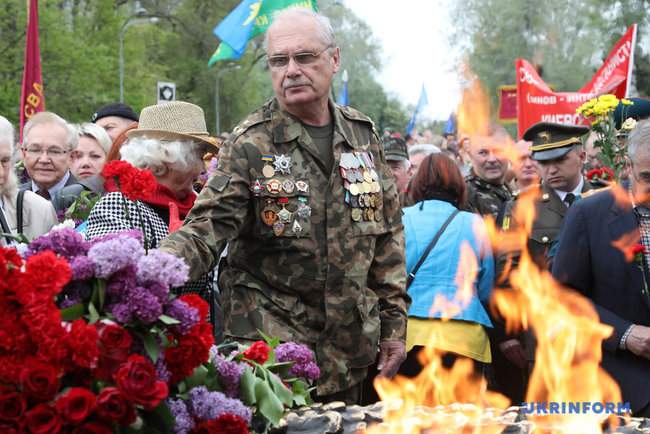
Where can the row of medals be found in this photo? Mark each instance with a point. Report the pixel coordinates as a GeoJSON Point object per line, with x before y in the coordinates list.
{"type": "Point", "coordinates": [361, 183]}
{"type": "Point", "coordinates": [274, 213]}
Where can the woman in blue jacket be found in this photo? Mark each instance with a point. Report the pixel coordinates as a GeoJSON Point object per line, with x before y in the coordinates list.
{"type": "Point", "coordinates": [442, 315]}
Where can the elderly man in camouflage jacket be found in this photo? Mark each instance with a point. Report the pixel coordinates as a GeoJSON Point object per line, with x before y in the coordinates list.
{"type": "Point", "coordinates": [307, 204]}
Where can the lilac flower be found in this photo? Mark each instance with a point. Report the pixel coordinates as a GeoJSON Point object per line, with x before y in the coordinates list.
{"type": "Point", "coordinates": [114, 255]}
{"type": "Point", "coordinates": [82, 268]}
{"type": "Point", "coordinates": [161, 368]}
{"type": "Point", "coordinates": [230, 373]}
{"type": "Point", "coordinates": [65, 242]}
{"type": "Point", "coordinates": [159, 266]}
{"type": "Point", "coordinates": [210, 405]}
{"type": "Point", "coordinates": [188, 316]}
{"type": "Point", "coordinates": [144, 305]}
{"type": "Point", "coordinates": [121, 312]}
{"type": "Point", "coordinates": [119, 284]}
{"type": "Point", "coordinates": [131, 233]}
{"type": "Point", "coordinates": [303, 358]}
{"type": "Point", "coordinates": [158, 290]}
{"type": "Point", "coordinates": [184, 422]}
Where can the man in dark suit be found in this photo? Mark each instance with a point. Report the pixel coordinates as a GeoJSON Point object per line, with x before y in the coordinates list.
{"type": "Point", "coordinates": [48, 141]}
{"type": "Point", "coordinates": [589, 261]}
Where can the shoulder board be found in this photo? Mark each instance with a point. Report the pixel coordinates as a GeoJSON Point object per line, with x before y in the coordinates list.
{"type": "Point", "coordinates": [595, 190]}
{"type": "Point", "coordinates": [257, 117]}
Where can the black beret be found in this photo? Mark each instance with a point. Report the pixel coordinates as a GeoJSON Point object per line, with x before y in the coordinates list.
{"type": "Point", "coordinates": [115, 109]}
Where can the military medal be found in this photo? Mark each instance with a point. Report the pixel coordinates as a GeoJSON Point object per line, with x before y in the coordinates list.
{"type": "Point", "coordinates": [367, 176]}
{"type": "Point", "coordinates": [354, 202]}
{"type": "Point", "coordinates": [288, 186]}
{"type": "Point", "coordinates": [282, 164]}
{"type": "Point", "coordinates": [376, 188]}
{"type": "Point", "coordinates": [284, 215]}
{"type": "Point", "coordinates": [356, 214]}
{"type": "Point", "coordinates": [371, 214]}
{"type": "Point", "coordinates": [268, 213]}
{"type": "Point", "coordinates": [274, 186]}
{"type": "Point", "coordinates": [278, 228]}
{"type": "Point", "coordinates": [304, 210]}
{"type": "Point", "coordinates": [257, 188]}
{"type": "Point", "coordinates": [268, 170]}
{"type": "Point", "coordinates": [354, 189]}
{"type": "Point", "coordinates": [365, 187]}
{"type": "Point", "coordinates": [302, 187]}
{"type": "Point", "coordinates": [373, 201]}
{"type": "Point", "coordinates": [296, 228]}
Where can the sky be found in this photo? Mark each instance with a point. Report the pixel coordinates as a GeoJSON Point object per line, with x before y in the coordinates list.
{"type": "Point", "coordinates": [408, 64]}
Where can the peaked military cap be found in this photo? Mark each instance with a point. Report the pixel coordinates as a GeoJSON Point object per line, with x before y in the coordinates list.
{"type": "Point", "coordinates": [395, 149]}
{"type": "Point", "coordinates": [552, 141]}
{"type": "Point", "coordinates": [640, 109]}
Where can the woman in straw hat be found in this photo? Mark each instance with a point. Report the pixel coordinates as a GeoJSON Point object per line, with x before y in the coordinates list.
{"type": "Point", "coordinates": [170, 141]}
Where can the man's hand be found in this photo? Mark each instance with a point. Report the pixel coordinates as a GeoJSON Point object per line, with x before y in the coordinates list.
{"type": "Point", "coordinates": [513, 351]}
{"type": "Point", "coordinates": [391, 356]}
{"type": "Point", "coordinates": [638, 341]}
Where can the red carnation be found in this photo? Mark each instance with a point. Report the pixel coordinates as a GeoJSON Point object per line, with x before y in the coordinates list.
{"type": "Point", "coordinates": [12, 404]}
{"type": "Point", "coordinates": [45, 275]}
{"type": "Point", "coordinates": [82, 341]}
{"type": "Point", "coordinates": [195, 301]}
{"type": "Point", "coordinates": [225, 424]}
{"type": "Point", "coordinates": [114, 346]}
{"type": "Point", "coordinates": [93, 428]}
{"type": "Point", "coordinates": [192, 350]}
{"type": "Point", "coordinates": [76, 405]}
{"type": "Point", "coordinates": [39, 381]}
{"type": "Point", "coordinates": [10, 262]}
{"type": "Point", "coordinates": [638, 249]}
{"type": "Point", "coordinates": [138, 381]}
{"type": "Point", "coordinates": [43, 419]}
{"type": "Point", "coordinates": [112, 406]}
{"type": "Point", "coordinates": [116, 168]}
{"type": "Point", "coordinates": [607, 173]}
{"type": "Point", "coordinates": [258, 352]}
{"type": "Point", "coordinates": [594, 174]}
{"type": "Point", "coordinates": [134, 183]}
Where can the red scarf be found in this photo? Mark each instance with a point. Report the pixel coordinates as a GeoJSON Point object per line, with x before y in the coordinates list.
{"type": "Point", "coordinates": [162, 197]}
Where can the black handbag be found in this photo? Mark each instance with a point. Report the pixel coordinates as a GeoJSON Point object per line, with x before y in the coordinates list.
{"type": "Point", "coordinates": [434, 241]}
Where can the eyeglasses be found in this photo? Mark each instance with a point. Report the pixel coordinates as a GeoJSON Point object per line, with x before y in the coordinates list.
{"type": "Point", "coordinates": [305, 58]}
{"type": "Point", "coordinates": [50, 152]}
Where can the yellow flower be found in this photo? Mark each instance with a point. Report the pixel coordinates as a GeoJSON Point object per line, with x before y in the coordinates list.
{"type": "Point", "coordinates": [625, 101]}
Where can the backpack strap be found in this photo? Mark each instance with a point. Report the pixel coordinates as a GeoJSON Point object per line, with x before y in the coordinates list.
{"type": "Point", "coordinates": [19, 211]}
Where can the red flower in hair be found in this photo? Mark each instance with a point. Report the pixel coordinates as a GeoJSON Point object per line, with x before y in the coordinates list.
{"type": "Point", "coordinates": [135, 184]}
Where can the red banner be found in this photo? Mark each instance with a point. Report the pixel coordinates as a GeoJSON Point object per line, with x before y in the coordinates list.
{"type": "Point", "coordinates": [536, 102]}
{"type": "Point", "coordinates": [507, 104]}
{"type": "Point", "coordinates": [32, 99]}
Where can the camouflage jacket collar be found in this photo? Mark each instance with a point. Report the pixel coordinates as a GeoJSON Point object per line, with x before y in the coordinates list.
{"type": "Point", "coordinates": [484, 185]}
{"type": "Point", "coordinates": [287, 128]}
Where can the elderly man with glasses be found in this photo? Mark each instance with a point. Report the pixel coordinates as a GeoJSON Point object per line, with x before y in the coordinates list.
{"type": "Point", "coordinates": [48, 141]}
{"type": "Point", "coordinates": [307, 204]}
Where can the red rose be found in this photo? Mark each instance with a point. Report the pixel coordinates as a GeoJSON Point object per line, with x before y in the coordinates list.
{"type": "Point", "coordinates": [195, 301]}
{"type": "Point", "coordinates": [9, 429]}
{"type": "Point", "coordinates": [93, 428]}
{"type": "Point", "coordinates": [258, 352]}
{"type": "Point", "coordinates": [76, 405]}
{"type": "Point", "coordinates": [138, 381]}
{"type": "Point", "coordinates": [114, 346]}
{"type": "Point", "coordinates": [43, 419]}
{"type": "Point", "coordinates": [224, 424]}
{"type": "Point", "coordinates": [39, 381]}
{"type": "Point", "coordinates": [12, 404]}
{"type": "Point", "coordinates": [112, 406]}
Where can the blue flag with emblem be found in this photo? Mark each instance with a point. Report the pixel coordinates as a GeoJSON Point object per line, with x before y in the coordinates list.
{"type": "Point", "coordinates": [421, 103]}
{"type": "Point", "coordinates": [343, 98]}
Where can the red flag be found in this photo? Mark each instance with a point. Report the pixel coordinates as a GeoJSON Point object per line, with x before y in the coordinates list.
{"type": "Point", "coordinates": [536, 102]}
{"type": "Point", "coordinates": [32, 99]}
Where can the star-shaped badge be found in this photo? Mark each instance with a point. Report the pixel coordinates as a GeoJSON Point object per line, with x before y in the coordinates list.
{"type": "Point", "coordinates": [282, 164]}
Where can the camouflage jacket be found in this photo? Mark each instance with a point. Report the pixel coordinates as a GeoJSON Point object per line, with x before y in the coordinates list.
{"type": "Point", "coordinates": [485, 198]}
{"type": "Point", "coordinates": [329, 272]}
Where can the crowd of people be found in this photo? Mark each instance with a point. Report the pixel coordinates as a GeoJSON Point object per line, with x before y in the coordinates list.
{"type": "Point", "coordinates": [314, 228]}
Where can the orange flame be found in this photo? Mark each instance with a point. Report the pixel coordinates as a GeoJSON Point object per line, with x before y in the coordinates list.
{"type": "Point", "coordinates": [566, 326]}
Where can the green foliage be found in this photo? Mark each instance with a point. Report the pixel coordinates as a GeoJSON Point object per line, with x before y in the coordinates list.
{"type": "Point", "coordinates": [80, 59]}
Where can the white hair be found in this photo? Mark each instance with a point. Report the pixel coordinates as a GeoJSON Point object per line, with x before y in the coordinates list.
{"type": "Point", "coordinates": [7, 135]}
{"type": "Point", "coordinates": [639, 137]}
{"type": "Point", "coordinates": [72, 139]}
{"type": "Point", "coordinates": [423, 148]}
{"type": "Point", "coordinates": [97, 133]}
{"type": "Point", "coordinates": [323, 26]}
{"type": "Point", "coordinates": [155, 155]}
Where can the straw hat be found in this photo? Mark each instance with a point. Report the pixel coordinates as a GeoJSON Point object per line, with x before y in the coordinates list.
{"type": "Point", "coordinates": [174, 120]}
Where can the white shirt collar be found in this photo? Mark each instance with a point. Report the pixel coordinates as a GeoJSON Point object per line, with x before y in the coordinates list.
{"type": "Point", "coordinates": [576, 191]}
{"type": "Point", "coordinates": [56, 187]}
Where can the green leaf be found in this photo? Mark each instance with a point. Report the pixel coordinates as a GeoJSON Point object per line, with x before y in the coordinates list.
{"type": "Point", "coordinates": [168, 320]}
{"type": "Point", "coordinates": [151, 346]}
{"type": "Point", "coordinates": [271, 342]}
{"type": "Point", "coordinates": [247, 386]}
{"type": "Point", "coordinates": [93, 315]}
{"type": "Point", "coordinates": [300, 393]}
{"type": "Point", "coordinates": [73, 312]}
{"type": "Point", "coordinates": [197, 378]}
{"type": "Point", "coordinates": [101, 292]}
{"type": "Point", "coordinates": [212, 378]}
{"type": "Point", "coordinates": [268, 403]}
{"type": "Point", "coordinates": [160, 419]}
{"type": "Point", "coordinates": [283, 393]}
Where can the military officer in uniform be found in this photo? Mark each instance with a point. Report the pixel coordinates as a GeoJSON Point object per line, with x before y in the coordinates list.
{"type": "Point", "coordinates": [487, 191]}
{"type": "Point", "coordinates": [559, 152]}
{"type": "Point", "coordinates": [308, 206]}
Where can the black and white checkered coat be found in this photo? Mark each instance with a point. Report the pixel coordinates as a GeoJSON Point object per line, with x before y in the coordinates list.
{"type": "Point", "coordinates": [109, 216]}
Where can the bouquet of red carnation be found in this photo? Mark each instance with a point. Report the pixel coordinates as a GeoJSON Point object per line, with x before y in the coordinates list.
{"type": "Point", "coordinates": [603, 174]}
